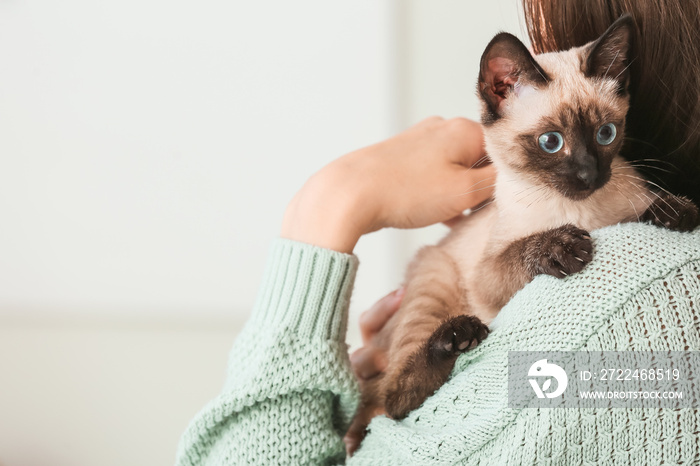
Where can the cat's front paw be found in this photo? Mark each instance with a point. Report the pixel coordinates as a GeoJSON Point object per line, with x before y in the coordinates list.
{"type": "Point", "coordinates": [560, 251]}
{"type": "Point", "coordinates": [673, 212]}
{"type": "Point", "coordinates": [456, 335]}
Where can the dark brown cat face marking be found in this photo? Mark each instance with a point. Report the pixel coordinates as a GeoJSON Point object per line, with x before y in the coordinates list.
{"type": "Point", "coordinates": [582, 165]}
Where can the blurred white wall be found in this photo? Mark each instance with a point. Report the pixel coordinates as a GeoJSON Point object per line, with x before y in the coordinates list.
{"type": "Point", "coordinates": [149, 148]}
{"type": "Point", "coordinates": [148, 151]}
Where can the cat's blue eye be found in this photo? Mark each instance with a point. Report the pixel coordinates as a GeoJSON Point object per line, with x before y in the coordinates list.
{"type": "Point", "coordinates": [551, 142]}
{"type": "Point", "coordinates": [606, 134]}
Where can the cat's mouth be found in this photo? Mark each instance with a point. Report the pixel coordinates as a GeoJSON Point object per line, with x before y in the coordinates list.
{"type": "Point", "coordinates": [579, 186]}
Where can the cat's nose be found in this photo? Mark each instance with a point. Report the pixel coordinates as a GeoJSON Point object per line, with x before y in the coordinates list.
{"type": "Point", "coordinates": [585, 169]}
{"type": "Point", "coordinates": [588, 175]}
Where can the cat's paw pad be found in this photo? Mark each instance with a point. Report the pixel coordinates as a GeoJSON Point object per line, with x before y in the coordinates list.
{"type": "Point", "coordinates": [673, 212]}
{"type": "Point", "coordinates": [457, 335]}
{"type": "Point", "coordinates": [561, 251]}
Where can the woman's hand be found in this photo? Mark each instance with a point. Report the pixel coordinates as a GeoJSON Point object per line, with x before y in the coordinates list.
{"type": "Point", "coordinates": [419, 177]}
{"type": "Point", "coordinates": [370, 360]}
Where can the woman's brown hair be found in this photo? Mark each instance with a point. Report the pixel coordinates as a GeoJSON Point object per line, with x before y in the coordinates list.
{"type": "Point", "coordinates": [663, 127]}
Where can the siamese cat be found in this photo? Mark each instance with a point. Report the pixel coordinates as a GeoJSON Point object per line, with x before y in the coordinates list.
{"type": "Point", "coordinates": [553, 128]}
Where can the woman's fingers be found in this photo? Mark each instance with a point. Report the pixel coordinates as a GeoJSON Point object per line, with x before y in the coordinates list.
{"type": "Point", "coordinates": [411, 180]}
{"type": "Point", "coordinates": [367, 362]}
{"type": "Point", "coordinates": [467, 141]}
{"type": "Point", "coordinates": [373, 319]}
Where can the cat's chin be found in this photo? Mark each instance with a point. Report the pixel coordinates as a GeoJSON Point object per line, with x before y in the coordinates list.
{"type": "Point", "coordinates": [577, 195]}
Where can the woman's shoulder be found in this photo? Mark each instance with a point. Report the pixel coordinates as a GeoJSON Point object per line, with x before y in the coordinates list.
{"type": "Point", "coordinates": [639, 292]}
{"type": "Point", "coordinates": [629, 260]}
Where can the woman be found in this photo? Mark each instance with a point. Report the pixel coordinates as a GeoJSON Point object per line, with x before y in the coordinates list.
{"type": "Point", "coordinates": [290, 391]}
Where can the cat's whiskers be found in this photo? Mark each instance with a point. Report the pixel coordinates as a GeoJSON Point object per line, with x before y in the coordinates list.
{"type": "Point", "coordinates": [642, 165]}
{"type": "Point", "coordinates": [666, 202]}
{"type": "Point", "coordinates": [646, 196]}
{"type": "Point", "coordinates": [657, 160]}
{"type": "Point", "coordinates": [482, 206]}
{"type": "Point", "coordinates": [633, 165]}
{"type": "Point", "coordinates": [543, 195]}
{"type": "Point", "coordinates": [524, 190]}
{"type": "Point", "coordinates": [654, 193]}
{"type": "Point", "coordinates": [530, 193]}
{"type": "Point", "coordinates": [469, 189]}
{"type": "Point", "coordinates": [475, 190]}
{"type": "Point", "coordinates": [650, 202]}
{"type": "Point", "coordinates": [474, 165]}
{"type": "Point", "coordinates": [618, 187]}
{"type": "Point", "coordinates": [485, 157]}
{"type": "Point", "coordinates": [629, 138]}
{"type": "Point", "coordinates": [651, 183]}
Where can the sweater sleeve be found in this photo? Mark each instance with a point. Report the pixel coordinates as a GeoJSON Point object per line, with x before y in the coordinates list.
{"type": "Point", "coordinates": [289, 394]}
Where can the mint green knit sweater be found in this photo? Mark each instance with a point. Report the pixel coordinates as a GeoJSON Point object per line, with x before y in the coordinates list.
{"type": "Point", "coordinates": [290, 392]}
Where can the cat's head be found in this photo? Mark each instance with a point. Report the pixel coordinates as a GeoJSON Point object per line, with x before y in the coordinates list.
{"type": "Point", "coordinates": [558, 118]}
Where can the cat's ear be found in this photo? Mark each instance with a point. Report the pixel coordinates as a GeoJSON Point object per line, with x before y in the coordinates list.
{"type": "Point", "coordinates": [506, 64]}
{"type": "Point", "coordinates": [609, 56]}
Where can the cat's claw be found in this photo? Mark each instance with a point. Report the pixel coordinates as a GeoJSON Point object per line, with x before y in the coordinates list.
{"type": "Point", "coordinates": [560, 252]}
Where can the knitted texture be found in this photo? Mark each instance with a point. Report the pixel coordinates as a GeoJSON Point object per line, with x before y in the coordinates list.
{"type": "Point", "coordinates": [290, 393]}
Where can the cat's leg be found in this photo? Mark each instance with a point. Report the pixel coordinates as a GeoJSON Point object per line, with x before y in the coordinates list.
{"type": "Point", "coordinates": [673, 212]}
{"type": "Point", "coordinates": [428, 368]}
{"type": "Point", "coordinates": [420, 359]}
{"type": "Point", "coordinates": [506, 269]}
